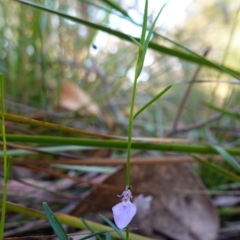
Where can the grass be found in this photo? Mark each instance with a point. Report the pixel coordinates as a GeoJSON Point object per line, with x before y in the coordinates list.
{"type": "Point", "coordinates": [125, 78]}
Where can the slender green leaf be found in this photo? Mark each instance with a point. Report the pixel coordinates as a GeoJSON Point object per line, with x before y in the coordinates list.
{"type": "Point", "coordinates": [217, 169]}
{"type": "Point", "coordinates": [89, 228]}
{"type": "Point", "coordinates": [223, 111]}
{"type": "Point", "coordinates": [33, 122]}
{"type": "Point", "coordinates": [228, 211]}
{"type": "Point", "coordinates": [146, 43]}
{"type": "Point", "coordinates": [108, 236]}
{"type": "Point", "coordinates": [194, 58]}
{"type": "Point", "coordinates": [110, 223]}
{"type": "Point", "coordinates": [143, 145]}
{"type": "Point", "coordinates": [9, 166]}
{"type": "Point", "coordinates": [5, 163]}
{"type": "Point", "coordinates": [228, 158]}
{"type": "Point", "coordinates": [57, 227]}
{"type": "Point", "coordinates": [151, 101]}
{"type": "Point", "coordinates": [95, 234]}
{"type": "Point", "coordinates": [116, 7]}
{"type": "Point", "coordinates": [50, 150]}
{"type": "Point", "coordinates": [140, 58]}
{"type": "Point", "coordinates": [136, 42]}
{"type": "Point", "coordinates": [96, 169]}
{"type": "Point", "coordinates": [144, 25]}
{"type": "Point", "coordinates": [67, 219]}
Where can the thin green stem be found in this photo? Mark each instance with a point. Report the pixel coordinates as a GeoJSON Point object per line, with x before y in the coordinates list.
{"type": "Point", "coordinates": [5, 167]}
{"type": "Point", "coordinates": [116, 144]}
{"type": "Point", "coordinates": [130, 125]}
{"type": "Point", "coordinates": [127, 232]}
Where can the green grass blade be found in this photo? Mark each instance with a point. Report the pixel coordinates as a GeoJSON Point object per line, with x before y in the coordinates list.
{"type": "Point", "coordinates": [151, 101]}
{"type": "Point", "coordinates": [49, 150]}
{"type": "Point", "coordinates": [5, 162]}
{"type": "Point", "coordinates": [108, 236]}
{"type": "Point", "coordinates": [57, 227]}
{"type": "Point", "coordinates": [146, 43]}
{"type": "Point", "coordinates": [194, 58]}
{"type": "Point", "coordinates": [116, 7]}
{"type": "Point", "coordinates": [110, 223]}
{"type": "Point", "coordinates": [136, 42]}
{"type": "Point", "coordinates": [33, 122]}
{"type": "Point", "coordinates": [223, 111]}
{"type": "Point", "coordinates": [231, 161]}
{"type": "Point", "coordinates": [96, 169]}
{"type": "Point", "coordinates": [217, 169]}
{"type": "Point", "coordinates": [140, 58]}
{"type": "Point", "coordinates": [228, 211]}
{"type": "Point", "coordinates": [95, 234]}
{"type": "Point", "coordinates": [144, 25]}
{"type": "Point", "coordinates": [203, 59]}
{"type": "Point", "coordinates": [9, 166]}
{"type": "Point", "coordinates": [90, 229]}
{"type": "Point", "coordinates": [67, 219]}
{"type": "Point", "coordinates": [172, 147]}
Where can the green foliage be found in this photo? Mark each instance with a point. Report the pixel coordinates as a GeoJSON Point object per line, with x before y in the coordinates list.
{"type": "Point", "coordinates": [6, 164]}
{"type": "Point", "coordinates": [151, 101]}
{"type": "Point", "coordinates": [110, 223]}
{"type": "Point", "coordinates": [219, 170]}
{"type": "Point", "coordinates": [56, 225]}
{"type": "Point", "coordinates": [34, 64]}
{"type": "Point", "coordinates": [90, 229]}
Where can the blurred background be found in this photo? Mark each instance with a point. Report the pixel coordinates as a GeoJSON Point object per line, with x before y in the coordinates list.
{"type": "Point", "coordinates": [72, 73]}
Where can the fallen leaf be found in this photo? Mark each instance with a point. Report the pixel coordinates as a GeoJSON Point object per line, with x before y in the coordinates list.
{"type": "Point", "coordinates": [73, 98]}
{"type": "Point", "coordinates": [165, 204]}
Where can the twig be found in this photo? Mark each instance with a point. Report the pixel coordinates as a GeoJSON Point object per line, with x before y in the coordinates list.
{"type": "Point", "coordinates": [182, 103]}
{"type": "Point", "coordinates": [118, 161]}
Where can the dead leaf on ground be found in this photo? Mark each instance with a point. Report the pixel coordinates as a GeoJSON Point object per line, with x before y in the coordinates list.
{"type": "Point", "coordinates": [165, 207]}
{"type": "Point", "coordinates": [73, 98]}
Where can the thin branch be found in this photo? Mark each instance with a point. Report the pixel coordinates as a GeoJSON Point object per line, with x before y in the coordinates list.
{"type": "Point", "coordinates": [186, 94]}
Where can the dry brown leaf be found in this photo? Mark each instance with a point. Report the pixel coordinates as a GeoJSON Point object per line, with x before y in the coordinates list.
{"type": "Point", "coordinates": [165, 206]}
{"type": "Point", "coordinates": [73, 98]}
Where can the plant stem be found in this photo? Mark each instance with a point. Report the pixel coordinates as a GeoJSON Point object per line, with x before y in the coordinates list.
{"type": "Point", "coordinates": [130, 125]}
{"type": "Point", "coordinates": [4, 197]}
{"type": "Point", "coordinates": [110, 144]}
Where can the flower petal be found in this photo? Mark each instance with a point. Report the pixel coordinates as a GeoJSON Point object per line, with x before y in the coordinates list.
{"type": "Point", "coordinates": [123, 214]}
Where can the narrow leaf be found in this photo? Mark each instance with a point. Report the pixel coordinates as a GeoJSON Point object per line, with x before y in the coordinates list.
{"type": "Point", "coordinates": [144, 25]}
{"type": "Point", "coordinates": [67, 219]}
{"type": "Point", "coordinates": [57, 227]}
{"type": "Point", "coordinates": [116, 7]}
{"type": "Point", "coordinates": [89, 228]}
{"type": "Point", "coordinates": [5, 163]}
{"type": "Point", "coordinates": [223, 111]}
{"type": "Point", "coordinates": [163, 146]}
{"type": "Point", "coordinates": [136, 42]}
{"type": "Point", "coordinates": [145, 44]}
{"type": "Point", "coordinates": [96, 169]}
{"type": "Point", "coordinates": [33, 122]}
{"type": "Point", "coordinates": [228, 158]}
{"type": "Point", "coordinates": [194, 58]}
{"type": "Point", "coordinates": [93, 234]}
{"type": "Point", "coordinates": [151, 101]}
{"type": "Point", "coordinates": [108, 236]}
{"type": "Point", "coordinates": [217, 169]}
{"type": "Point", "coordinates": [9, 166]}
{"type": "Point", "coordinates": [110, 223]}
{"type": "Point", "coordinates": [140, 58]}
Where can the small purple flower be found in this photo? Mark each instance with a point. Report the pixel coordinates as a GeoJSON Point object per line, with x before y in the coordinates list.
{"type": "Point", "coordinates": [124, 211]}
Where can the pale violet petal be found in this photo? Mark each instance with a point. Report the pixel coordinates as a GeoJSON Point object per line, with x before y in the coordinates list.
{"type": "Point", "coordinates": [123, 214]}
